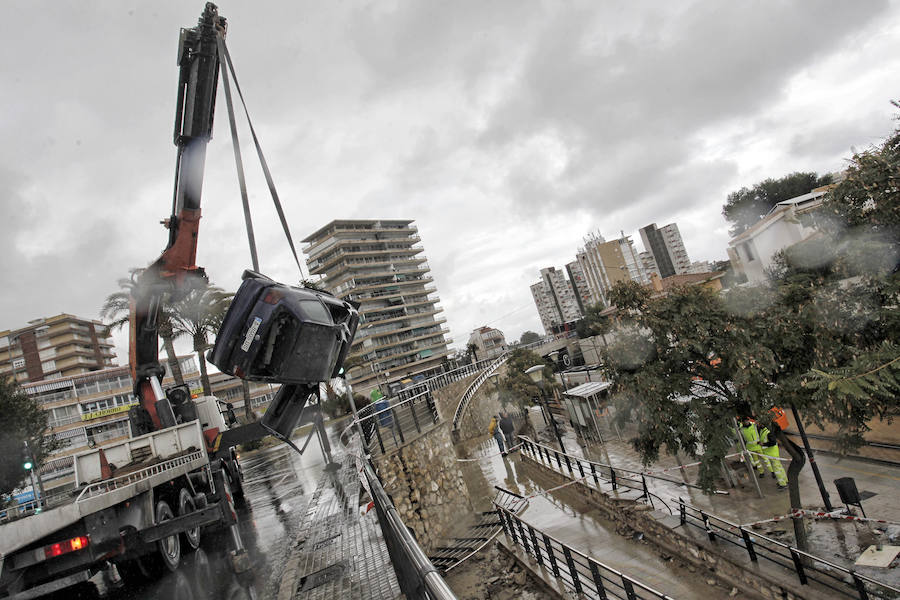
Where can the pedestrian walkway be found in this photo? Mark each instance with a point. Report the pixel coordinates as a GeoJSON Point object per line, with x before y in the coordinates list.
{"type": "Point", "coordinates": [341, 552]}
{"type": "Point", "coordinates": [839, 541]}
{"type": "Point", "coordinates": [580, 526]}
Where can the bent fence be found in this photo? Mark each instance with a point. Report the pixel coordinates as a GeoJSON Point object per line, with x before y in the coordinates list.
{"type": "Point", "coordinates": [807, 567]}
{"type": "Point", "coordinates": [578, 572]}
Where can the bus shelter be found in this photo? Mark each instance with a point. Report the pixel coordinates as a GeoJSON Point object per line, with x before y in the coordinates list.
{"type": "Point", "coordinates": [587, 404]}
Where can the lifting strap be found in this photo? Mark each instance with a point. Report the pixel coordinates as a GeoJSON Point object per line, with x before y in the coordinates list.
{"type": "Point", "coordinates": [238, 161]}
{"type": "Point", "coordinates": [223, 52]}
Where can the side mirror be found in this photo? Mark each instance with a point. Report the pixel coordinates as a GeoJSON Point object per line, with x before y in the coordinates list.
{"type": "Point", "coordinates": [229, 414]}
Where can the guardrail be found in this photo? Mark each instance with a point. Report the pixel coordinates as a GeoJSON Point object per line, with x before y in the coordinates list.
{"type": "Point", "coordinates": [805, 566]}
{"type": "Point", "coordinates": [473, 388]}
{"type": "Point", "coordinates": [30, 507]}
{"type": "Point", "coordinates": [388, 428]}
{"type": "Point", "coordinates": [578, 572]}
{"type": "Point", "coordinates": [594, 474]}
{"type": "Point", "coordinates": [417, 577]}
{"type": "Point", "coordinates": [108, 485]}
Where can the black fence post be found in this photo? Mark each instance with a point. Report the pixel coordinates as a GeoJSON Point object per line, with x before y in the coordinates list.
{"type": "Point", "coordinates": [580, 467]}
{"type": "Point", "coordinates": [860, 586]}
{"type": "Point", "coordinates": [378, 432]}
{"type": "Point", "coordinates": [524, 538]}
{"type": "Point", "coordinates": [558, 462]}
{"type": "Point", "coordinates": [569, 464]}
{"type": "Point", "coordinates": [573, 572]}
{"type": "Point", "coordinates": [396, 423]}
{"type": "Point", "coordinates": [537, 549]}
{"type": "Point", "coordinates": [629, 589]}
{"type": "Point", "coordinates": [598, 580]}
{"type": "Point", "coordinates": [798, 565]}
{"type": "Point", "coordinates": [748, 543]}
{"type": "Point", "coordinates": [612, 479]}
{"type": "Point", "coordinates": [646, 491]}
{"type": "Point", "coordinates": [682, 511]}
{"type": "Point", "coordinates": [412, 411]}
{"type": "Point", "coordinates": [594, 473]}
{"type": "Point", "coordinates": [709, 531]}
{"type": "Point", "coordinates": [551, 556]}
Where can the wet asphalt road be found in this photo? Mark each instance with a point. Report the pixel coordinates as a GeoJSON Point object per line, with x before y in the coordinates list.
{"type": "Point", "coordinates": [277, 484]}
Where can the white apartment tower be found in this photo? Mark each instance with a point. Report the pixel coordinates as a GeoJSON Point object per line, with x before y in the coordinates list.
{"type": "Point", "coordinates": [379, 263]}
{"type": "Point", "coordinates": [555, 299]}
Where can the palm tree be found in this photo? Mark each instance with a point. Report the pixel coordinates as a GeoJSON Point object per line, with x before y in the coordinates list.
{"type": "Point", "coordinates": [198, 315]}
{"type": "Point", "coordinates": [117, 310]}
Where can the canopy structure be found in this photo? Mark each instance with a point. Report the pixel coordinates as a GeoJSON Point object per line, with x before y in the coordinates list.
{"type": "Point", "coordinates": [584, 404]}
{"type": "Point", "coordinates": [586, 390]}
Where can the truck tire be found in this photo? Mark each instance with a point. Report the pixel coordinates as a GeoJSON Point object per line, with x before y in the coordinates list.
{"type": "Point", "coordinates": [168, 550]}
{"type": "Point", "coordinates": [190, 539]}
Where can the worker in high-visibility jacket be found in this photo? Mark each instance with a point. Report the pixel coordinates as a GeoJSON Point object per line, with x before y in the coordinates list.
{"type": "Point", "coordinates": [751, 440]}
{"type": "Point", "coordinates": [773, 457]}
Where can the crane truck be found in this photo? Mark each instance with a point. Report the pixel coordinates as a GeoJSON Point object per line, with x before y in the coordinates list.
{"type": "Point", "coordinates": [140, 503]}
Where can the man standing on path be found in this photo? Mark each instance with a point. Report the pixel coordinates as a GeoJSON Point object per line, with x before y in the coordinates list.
{"type": "Point", "coordinates": [773, 456]}
{"type": "Point", "coordinates": [751, 441]}
{"type": "Point", "coordinates": [495, 431]}
{"type": "Point", "coordinates": [509, 429]}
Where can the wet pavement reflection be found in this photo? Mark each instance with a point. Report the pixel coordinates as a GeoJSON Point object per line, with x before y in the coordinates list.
{"type": "Point", "coordinates": [278, 484]}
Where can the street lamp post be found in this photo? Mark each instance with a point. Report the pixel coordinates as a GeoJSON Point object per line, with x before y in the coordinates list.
{"type": "Point", "coordinates": [37, 487]}
{"type": "Point", "coordinates": [537, 376]}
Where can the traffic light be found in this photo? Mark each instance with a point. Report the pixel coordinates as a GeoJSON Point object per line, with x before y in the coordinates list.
{"type": "Point", "coordinates": [27, 465]}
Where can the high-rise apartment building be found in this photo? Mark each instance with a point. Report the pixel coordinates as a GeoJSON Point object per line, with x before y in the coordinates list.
{"type": "Point", "coordinates": [604, 264]}
{"type": "Point", "coordinates": [55, 347]}
{"type": "Point", "coordinates": [555, 299]}
{"type": "Point", "coordinates": [667, 248]}
{"type": "Point", "coordinates": [583, 295]}
{"type": "Point", "coordinates": [379, 263]}
{"type": "Point", "coordinates": [648, 262]}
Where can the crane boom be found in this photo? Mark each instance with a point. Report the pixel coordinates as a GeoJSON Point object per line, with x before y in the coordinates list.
{"type": "Point", "coordinates": [175, 272]}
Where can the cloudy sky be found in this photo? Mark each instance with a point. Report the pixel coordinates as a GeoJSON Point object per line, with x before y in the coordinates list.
{"type": "Point", "coordinates": [506, 129]}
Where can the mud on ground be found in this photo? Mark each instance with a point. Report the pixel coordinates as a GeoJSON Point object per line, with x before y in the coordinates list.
{"type": "Point", "coordinates": [493, 573]}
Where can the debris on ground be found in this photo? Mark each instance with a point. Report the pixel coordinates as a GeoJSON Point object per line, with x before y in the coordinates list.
{"type": "Point", "coordinates": [495, 574]}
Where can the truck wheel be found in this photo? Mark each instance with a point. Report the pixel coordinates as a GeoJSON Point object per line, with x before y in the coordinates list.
{"type": "Point", "coordinates": [168, 553]}
{"type": "Point", "coordinates": [186, 505]}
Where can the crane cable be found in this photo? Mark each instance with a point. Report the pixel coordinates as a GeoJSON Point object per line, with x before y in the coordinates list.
{"type": "Point", "coordinates": [223, 52]}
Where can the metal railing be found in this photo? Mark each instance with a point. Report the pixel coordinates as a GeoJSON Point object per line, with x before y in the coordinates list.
{"type": "Point", "coordinates": [576, 571]}
{"type": "Point", "coordinates": [418, 578]}
{"type": "Point", "coordinates": [807, 567]}
{"type": "Point", "coordinates": [30, 507]}
{"type": "Point", "coordinates": [473, 388]}
{"type": "Point", "coordinates": [595, 475]}
{"type": "Point", "coordinates": [390, 427]}
{"type": "Point", "coordinates": [108, 485]}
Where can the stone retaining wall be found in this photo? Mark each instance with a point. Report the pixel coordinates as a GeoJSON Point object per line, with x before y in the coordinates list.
{"type": "Point", "coordinates": [763, 581]}
{"type": "Point", "coordinates": [426, 484]}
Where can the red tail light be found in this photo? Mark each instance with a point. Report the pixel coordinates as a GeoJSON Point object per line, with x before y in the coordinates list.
{"type": "Point", "coordinates": [272, 297]}
{"type": "Point", "coordinates": [60, 548]}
